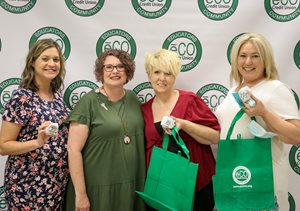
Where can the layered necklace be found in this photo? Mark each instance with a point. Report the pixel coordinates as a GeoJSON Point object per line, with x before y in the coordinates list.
{"type": "Point", "coordinates": [126, 138]}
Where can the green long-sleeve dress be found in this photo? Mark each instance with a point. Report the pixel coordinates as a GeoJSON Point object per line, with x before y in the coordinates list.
{"type": "Point", "coordinates": [113, 170]}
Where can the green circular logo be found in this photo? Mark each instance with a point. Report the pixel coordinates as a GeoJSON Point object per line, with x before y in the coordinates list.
{"type": "Point", "coordinates": [17, 7]}
{"type": "Point", "coordinates": [151, 8]}
{"type": "Point", "coordinates": [116, 39]}
{"type": "Point", "coordinates": [292, 203]}
{"type": "Point", "coordinates": [56, 34]}
{"type": "Point", "coordinates": [297, 55]}
{"type": "Point", "coordinates": [241, 175]}
{"type": "Point", "coordinates": [282, 10]}
{"type": "Point", "coordinates": [85, 8]}
{"type": "Point", "coordinates": [187, 46]}
{"type": "Point", "coordinates": [294, 158]}
{"type": "Point", "coordinates": [144, 91]}
{"type": "Point", "coordinates": [76, 90]}
{"type": "Point", "coordinates": [217, 9]}
{"type": "Point", "coordinates": [7, 88]}
{"type": "Point", "coordinates": [3, 205]}
{"type": "Point", "coordinates": [230, 47]}
{"type": "Point", "coordinates": [212, 94]}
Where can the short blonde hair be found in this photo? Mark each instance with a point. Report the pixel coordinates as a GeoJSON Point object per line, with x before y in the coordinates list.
{"type": "Point", "coordinates": [265, 50]}
{"type": "Point", "coordinates": [164, 60]}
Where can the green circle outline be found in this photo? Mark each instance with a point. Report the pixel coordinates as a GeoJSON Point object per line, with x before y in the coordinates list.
{"type": "Point", "coordinates": [136, 6]}
{"type": "Point", "coordinates": [202, 7]}
{"type": "Point", "coordinates": [292, 158]}
{"type": "Point", "coordinates": [198, 45]}
{"type": "Point", "coordinates": [69, 91]}
{"type": "Point", "coordinates": [296, 54]}
{"type": "Point", "coordinates": [100, 4]}
{"type": "Point", "coordinates": [66, 40]}
{"type": "Point", "coordinates": [3, 3]}
{"type": "Point", "coordinates": [2, 89]}
{"type": "Point", "coordinates": [268, 8]}
{"type": "Point", "coordinates": [229, 48]}
{"type": "Point", "coordinates": [101, 41]}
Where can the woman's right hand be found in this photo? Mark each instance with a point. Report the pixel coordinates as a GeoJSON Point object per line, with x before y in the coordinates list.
{"type": "Point", "coordinates": [42, 136]}
{"type": "Point", "coordinates": [82, 203]}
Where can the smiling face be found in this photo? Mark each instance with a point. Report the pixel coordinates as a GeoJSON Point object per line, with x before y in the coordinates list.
{"type": "Point", "coordinates": [47, 66]}
{"type": "Point", "coordinates": [250, 64]}
{"type": "Point", "coordinates": [161, 81]}
{"type": "Point", "coordinates": [116, 77]}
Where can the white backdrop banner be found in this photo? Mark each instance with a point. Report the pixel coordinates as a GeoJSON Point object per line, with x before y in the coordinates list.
{"type": "Point", "coordinates": [200, 31]}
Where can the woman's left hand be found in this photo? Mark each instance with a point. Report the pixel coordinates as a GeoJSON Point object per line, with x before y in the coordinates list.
{"type": "Point", "coordinates": [257, 110]}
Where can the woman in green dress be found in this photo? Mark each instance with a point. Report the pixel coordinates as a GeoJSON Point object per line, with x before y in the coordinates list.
{"type": "Point", "coordinates": [106, 141]}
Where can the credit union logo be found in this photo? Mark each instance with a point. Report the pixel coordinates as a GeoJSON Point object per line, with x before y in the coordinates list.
{"type": "Point", "coordinates": [151, 8]}
{"type": "Point", "coordinates": [282, 10]}
{"type": "Point", "coordinates": [85, 7]}
{"type": "Point", "coordinates": [76, 91]}
{"type": "Point", "coordinates": [7, 89]}
{"type": "Point", "coordinates": [18, 6]}
{"type": "Point", "coordinates": [56, 34]}
{"type": "Point", "coordinates": [187, 46]}
{"type": "Point", "coordinates": [217, 10]}
{"type": "Point", "coordinates": [144, 91]}
{"type": "Point", "coordinates": [212, 94]}
{"type": "Point", "coordinates": [116, 39]}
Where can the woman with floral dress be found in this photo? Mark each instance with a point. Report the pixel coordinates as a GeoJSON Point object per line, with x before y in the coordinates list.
{"type": "Point", "coordinates": [36, 169]}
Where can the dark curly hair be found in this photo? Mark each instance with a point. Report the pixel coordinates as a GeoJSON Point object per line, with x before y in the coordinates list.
{"type": "Point", "coordinates": [123, 56]}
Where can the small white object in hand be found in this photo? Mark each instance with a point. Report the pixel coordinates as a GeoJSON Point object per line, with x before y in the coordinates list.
{"type": "Point", "coordinates": [167, 122]}
{"type": "Point", "coordinates": [52, 129]}
{"type": "Point", "coordinates": [244, 94]}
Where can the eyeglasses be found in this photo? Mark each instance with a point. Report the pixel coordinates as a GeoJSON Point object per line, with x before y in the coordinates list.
{"type": "Point", "coordinates": [110, 67]}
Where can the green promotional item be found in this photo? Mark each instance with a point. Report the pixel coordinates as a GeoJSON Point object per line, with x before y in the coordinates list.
{"type": "Point", "coordinates": [244, 173]}
{"type": "Point", "coordinates": [171, 178]}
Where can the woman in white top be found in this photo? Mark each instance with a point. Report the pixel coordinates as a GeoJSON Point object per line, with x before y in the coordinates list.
{"type": "Point", "coordinates": [275, 109]}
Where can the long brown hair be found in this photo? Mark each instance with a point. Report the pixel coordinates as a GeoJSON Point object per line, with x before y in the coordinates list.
{"type": "Point", "coordinates": [27, 78]}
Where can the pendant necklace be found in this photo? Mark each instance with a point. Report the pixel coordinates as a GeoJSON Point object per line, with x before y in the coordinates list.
{"type": "Point", "coordinates": [126, 138]}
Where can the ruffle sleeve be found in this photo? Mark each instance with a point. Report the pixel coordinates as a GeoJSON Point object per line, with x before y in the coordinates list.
{"type": "Point", "coordinates": [18, 108]}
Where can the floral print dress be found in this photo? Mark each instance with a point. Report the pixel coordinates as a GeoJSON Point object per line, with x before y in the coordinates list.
{"type": "Point", "coordinates": [36, 180]}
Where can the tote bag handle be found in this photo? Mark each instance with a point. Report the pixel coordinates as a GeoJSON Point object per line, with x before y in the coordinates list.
{"type": "Point", "coordinates": [178, 140]}
{"type": "Point", "coordinates": [236, 118]}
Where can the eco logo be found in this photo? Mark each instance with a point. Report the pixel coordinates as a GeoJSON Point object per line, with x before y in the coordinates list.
{"type": "Point", "coordinates": [76, 90]}
{"type": "Point", "coordinates": [3, 205]}
{"type": "Point", "coordinates": [213, 94]}
{"type": "Point", "coordinates": [292, 203]}
{"type": "Point", "coordinates": [187, 46]}
{"type": "Point", "coordinates": [116, 39]}
{"type": "Point", "coordinates": [282, 10]}
{"type": "Point", "coordinates": [297, 55]}
{"type": "Point", "coordinates": [7, 88]}
{"type": "Point", "coordinates": [217, 9]}
{"type": "Point", "coordinates": [56, 34]}
{"type": "Point", "coordinates": [230, 47]}
{"type": "Point", "coordinates": [85, 7]}
{"type": "Point", "coordinates": [17, 6]}
{"type": "Point", "coordinates": [241, 175]}
{"type": "Point", "coordinates": [151, 8]}
{"type": "Point", "coordinates": [144, 91]}
{"type": "Point", "coordinates": [294, 158]}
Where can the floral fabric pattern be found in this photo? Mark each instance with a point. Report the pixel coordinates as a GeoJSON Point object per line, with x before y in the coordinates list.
{"type": "Point", "coordinates": [36, 180]}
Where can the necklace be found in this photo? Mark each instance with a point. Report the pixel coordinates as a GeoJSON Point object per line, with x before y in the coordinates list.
{"type": "Point", "coordinates": [126, 138]}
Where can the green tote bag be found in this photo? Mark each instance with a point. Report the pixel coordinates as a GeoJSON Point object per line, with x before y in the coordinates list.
{"type": "Point", "coordinates": [171, 178]}
{"type": "Point", "coordinates": [244, 173]}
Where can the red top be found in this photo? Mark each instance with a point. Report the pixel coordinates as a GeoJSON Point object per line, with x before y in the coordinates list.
{"type": "Point", "coordinates": [190, 107]}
